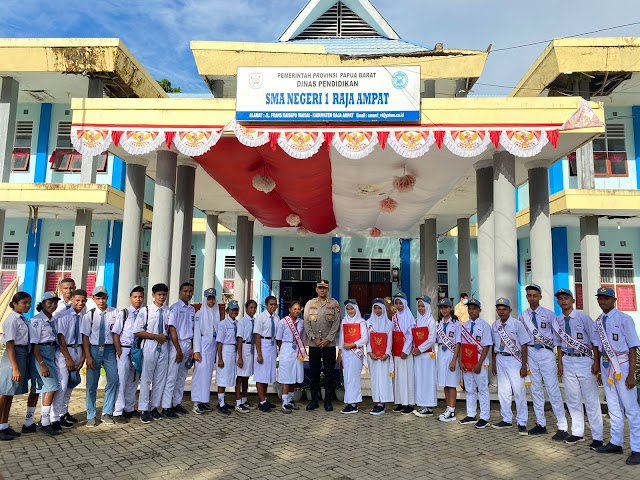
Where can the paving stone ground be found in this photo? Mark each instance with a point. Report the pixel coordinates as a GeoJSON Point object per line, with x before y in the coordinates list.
{"type": "Point", "coordinates": [302, 445]}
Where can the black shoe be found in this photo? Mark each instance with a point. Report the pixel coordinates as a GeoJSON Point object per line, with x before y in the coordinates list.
{"type": "Point", "coordinates": [130, 415]}
{"type": "Point", "coordinates": [293, 405]}
{"type": "Point", "coordinates": [560, 436]}
{"type": "Point", "coordinates": [595, 444]}
{"type": "Point", "coordinates": [633, 459]}
{"type": "Point", "coordinates": [468, 420]}
{"type": "Point", "coordinates": [199, 409]}
{"type": "Point", "coordinates": [481, 424]}
{"type": "Point", "coordinates": [522, 430]}
{"type": "Point", "coordinates": [6, 437]}
{"type": "Point", "coordinates": [207, 407]}
{"type": "Point", "coordinates": [169, 413]}
{"type": "Point", "coordinates": [264, 407]}
{"type": "Point", "coordinates": [180, 409]}
{"type": "Point", "coordinates": [155, 414]}
{"type": "Point", "coordinates": [573, 439]}
{"type": "Point", "coordinates": [11, 431]}
{"type": "Point", "coordinates": [350, 409]}
{"type": "Point", "coordinates": [610, 448]}
{"type": "Point", "coordinates": [56, 426]}
{"type": "Point", "coordinates": [271, 405]}
{"type": "Point", "coordinates": [224, 409]}
{"type": "Point", "coordinates": [49, 430]}
{"type": "Point", "coordinates": [502, 424]}
{"type": "Point", "coordinates": [312, 405]}
{"type": "Point", "coordinates": [69, 418]}
{"type": "Point", "coordinates": [146, 417]}
{"type": "Point", "coordinates": [328, 407]}
{"type": "Point", "coordinates": [120, 419]}
{"type": "Point", "coordinates": [407, 410]}
{"type": "Point", "coordinates": [538, 430]}
{"type": "Point", "coordinates": [377, 410]}
{"type": "Point", "coordinates": [286, 409]}
{"type": "Point", "coordinates": [64, 423]}
{"type": "Point", "coordinates": [30, 429]}
{"type": "Point", "coordinates": [398, 409]}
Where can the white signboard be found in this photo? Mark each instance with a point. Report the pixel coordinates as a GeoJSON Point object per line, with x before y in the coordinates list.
{"type": "Point", "coordinates": [329, 94]}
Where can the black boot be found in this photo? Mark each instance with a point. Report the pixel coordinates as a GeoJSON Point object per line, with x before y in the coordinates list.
{"type": "Point", "coordinates": [313, 404]}
{"type": "Point", "coordinates": [328, 397]}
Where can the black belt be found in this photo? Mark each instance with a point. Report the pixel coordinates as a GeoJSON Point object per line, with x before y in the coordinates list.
{"type": "Point", "coordinates": [505, 354]}
{"type": "Point", "coordinates": [248, 343]}
{"type": "Point", "coordinates": [47, 344]}
{"type": "Point", "coordinates": [546, 348]}
{"type": "Point", "coordinates": [125, 346]}
{"type": "Point", "coordinates": [75, 346]}
{"type": "Point", "coordinates": [266, 338]}
{"type": "Point", "coordinates": [574, 354]}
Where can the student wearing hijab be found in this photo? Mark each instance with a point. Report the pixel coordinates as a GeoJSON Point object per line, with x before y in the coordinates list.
{"type": "Point", "coordinates": [351, 357]}
{"type": "Point", "coordinates": [204, 351]}
{"type": "Point", "coordinates": [448, 369]}
{"type": "Point", "coordinates": [401, 346]}
{"type": "Point", "coordinates": [424, 359]}
{"type": "Point", "coordinates": [380, 359]}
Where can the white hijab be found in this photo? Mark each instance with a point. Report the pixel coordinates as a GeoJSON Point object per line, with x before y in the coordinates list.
{"type": "Point", "coordinates": [211, 313]}
{"type": "Point", "coordinates": [357, 318]}
{"type": "Point", "coordinates": [424, 319]}
{"type": "Point", "coordinates": [405, 317]}
{"type": "Point", "coordinates": [378, 322]}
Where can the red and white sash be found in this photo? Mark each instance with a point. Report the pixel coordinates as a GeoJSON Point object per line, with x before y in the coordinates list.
{"type": "Point", "coordinates": [513, 348]}
{"type": "Point", "coordinates": [537, 334]}
{"type": "Point", "coordinates": [571, 342]}
{"type": "Point", "coordinates": [396, 327]}
{"type": "Point", "coordinates": [466, 334]}
{"type": "Point", "coordinates": [302, 352]}
{"type": "Point", "coordinates": [614, 363]}
{"type": "Point", "coordinates": [445, 340]}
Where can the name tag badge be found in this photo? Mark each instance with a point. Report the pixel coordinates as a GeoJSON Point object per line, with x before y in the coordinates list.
{"type": "Point", "coordinates": [502, 345]}
{"type": "Point", "coordinates": [451, 334]}
{"type": "Point", "coordinates": [543, 325]}
{"type": "Point", "coordinates": [579, 336]}
{"type": "Point", "coordinates": [615, 337]}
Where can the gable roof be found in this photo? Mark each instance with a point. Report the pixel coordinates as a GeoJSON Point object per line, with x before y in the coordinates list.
{"type": "Point", "coordinates": [343, 18]}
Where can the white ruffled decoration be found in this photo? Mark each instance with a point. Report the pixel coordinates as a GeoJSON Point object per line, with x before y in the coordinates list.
{"type": "Point", "coordinates": [293, 220]}
{"type": "Point", "coordinates": [355, 144]}
{"type": "Point", "coordinates": [194, 143]}
{"type": "Point", "coordinates": [139, 142]}
{"type": "Point", "coordinates": [250, 136]}
{"type": "Point", "coordinates": [467, 143]}
{"type": "Point", "coordinates": [411, 143]}
{"type": "Point", "coordinates": [263, 183]}
{"type": "Point", "coordinates": [90, 141]}
{"type": "Point", "coordinates": [524, 143]}
{"type": "Point", "coordinates": [301, 145]}
{"type": "Point", "coordinates": [302, 232]}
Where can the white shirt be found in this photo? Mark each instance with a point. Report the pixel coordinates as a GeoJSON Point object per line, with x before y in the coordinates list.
{"type": "Point", "coordinates": [90, 325]}
{"type": "Point", "coordinates": [150, 324]}
{"type": "Point", "coordinates": [181, 317]}
{"type": "Point", "coordinates": [245, 328]}
{"type": "Point", "coordinates": [582, 328]}
{"type": "Point", "coordinates": [227, 332]}
{"type": "Point", "coordinates": [621, 332]}
{"type": "Point", "coordinates": [66, 325]}
{"type": "Point", "coordinates": [206, 325]}
{"type": "Point", "coordinates": [516, 331]}
{"type": "Point", "coordinates": [42, 329]}
{"type": "Point", "coordinates": [283, 332]}
{"type": "Point", "coordinates": [545, 318]}
{"type": "Point", "coordinates": [404, 324]}
{"type": "Point", "coordinates": [15, 329]}
{"type": "Point", "coordinates": [126, 331]}
{"type": "Point", "coordinates": [262, 325]}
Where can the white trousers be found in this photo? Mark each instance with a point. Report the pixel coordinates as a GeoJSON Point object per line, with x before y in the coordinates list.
{"type": "Point", "coordinates": [622, 402]}
{"type": "Point", "coordinates": [176, 375]}
{"type": "Point", "coordinates": [61, 399]}
{"type": "Point", "coordinates": [580, 385]}
{"type": "Point", "coordinates": [154, 375]}
{"type": "Point", "coordinates": [425, 381]}
{"type": "Point", "coordinates": [203, 371]}
{"type": "Point", "coordinates": [542, 363]}
{"type": "Point", "coordinates": [127, 384]}
{"type": "Point", "coordinates": [477, 386]}
{"type": "Point", "coordinates": [403, 381]}
{"type": "Point", "coordinates": [510, 381]}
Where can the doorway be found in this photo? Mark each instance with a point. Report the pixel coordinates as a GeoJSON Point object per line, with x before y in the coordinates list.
{"type": "Point", "coordinates": [292, 291]}
{"type": "Point", "coordinates": [365, 292]}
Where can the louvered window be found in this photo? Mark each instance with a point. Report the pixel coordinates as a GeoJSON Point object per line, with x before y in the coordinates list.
{"type": "Point", "coordinates": [374, 270]}
{"type": "Point", "coordinates": [59, 261]}
{"type": "Point", "coordinates": [306, 269]}
{"type": "Point", "coordinates": [230, 276]}
{"type": "Point", "coordinates": [609, 153]}
{"type": "Point", "coordinates": [443, 278]}
{"type": "Point", "coordinates": [192, 270]}
{"type": "Point", "coordinates": [24, 134]}
{"type": "Point", "coordinates": [339, 21]}
{"type": "Point", "coordinates": [617, 272]}
{"type": "Point", "coordinates": [9, 267]}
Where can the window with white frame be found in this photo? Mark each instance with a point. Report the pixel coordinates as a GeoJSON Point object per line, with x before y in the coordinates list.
{"type": "Point", "coordinates": [65, 158]}
{"type": "Point", "coordinates": [58, 266]}
{"type": "Point", "coordinates": [230, 277]}
{"type": "Point", "coordinates": [192, 270]}
{"type": "Point", "coordinates": [301, 269]}
{"type": "Point", "coordinates": [372, 270]}
{"type": "Point", "coordinates": [22, 146]}
{"type": "Point", "coordinates": [617, 272]}
{"type": "Point", "coordinates": [527, 272]}
{"type": "Point", "coordinates": [9, 264]}
{"type": "Point", "coordinates": [443, 278]}
{"type": "Point", "coordinates": [609, 153]}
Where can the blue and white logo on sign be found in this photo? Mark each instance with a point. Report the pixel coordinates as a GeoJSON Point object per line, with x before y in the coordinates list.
{"type": "Point", "coordinates": [400, 80]}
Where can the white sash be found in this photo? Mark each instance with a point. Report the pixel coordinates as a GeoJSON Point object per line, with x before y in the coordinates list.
{"type": "Point", "coordinates": [614, 364]}
{"type": "Point", "coordinates": [445, 340]}
{"type": "Point", "coordinates": [574, 343]}
{"type": "Point", "coordinates": [513, 349]}
{"type": "Point", "coordinates": [302, 352]}
{"type": "Point", "coordinates": [533, 330]}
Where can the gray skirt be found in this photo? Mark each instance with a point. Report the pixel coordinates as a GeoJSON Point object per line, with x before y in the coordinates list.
{"type": "Point", "coordinates": [7, 385]}
{"type": "Point", "coordinates": [44, 384]}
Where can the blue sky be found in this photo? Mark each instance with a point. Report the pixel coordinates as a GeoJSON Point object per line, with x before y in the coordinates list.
{"type": "Point", "coordinates": [158, 32]}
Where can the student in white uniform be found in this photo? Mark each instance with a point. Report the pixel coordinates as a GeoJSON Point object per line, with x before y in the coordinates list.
{"type": "Point", "coordinates": [205, 349]}
{"type": "Point", "coordinates": [351, 357]}
{"type": "Point", "coordinates": [181, 320]}
{"type": "Point", "coordinates": [151, 327]}
{"type": "Point", "coordinates": [65, 291]}
{"type": "Point", "coordinates": [424, 359]}
{"type": "Point", "coordinates": [448, 351]}
{"type": "Point", "coordinates": [578, 364]}
{"type": "Point", "coordinates": [245, 355]}
{"type": "Point", "coordinates": [69, 358]}
{"type": "Point", "coordinates": [401, 346]}
{"type": "Point", "coordinates": [97, 342]}
{"type": "Point", "coordinates": [475, 337]}
{"type": "Point", "coordinates": [14, 370]}
{"type": "Point", "coordinates": [381, 366]}
{"type": "Point", "coordinates": [509, 364]}
{"type": "Point", "coordinates": [123, 339]}
{"type": "Point", "coordinates": [226, 339]}
{"type": "Point", "coordinates": [264, 367]}
{"type": "Point", "coordinates": [292, 353]}
{"type": "Point", "coordinates": [538, 322]}
{"type": "Point", "coordinates": [617, 340]}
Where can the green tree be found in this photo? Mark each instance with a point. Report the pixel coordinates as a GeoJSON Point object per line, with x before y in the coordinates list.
{"type": "Point", "coordinates": [166, 86]}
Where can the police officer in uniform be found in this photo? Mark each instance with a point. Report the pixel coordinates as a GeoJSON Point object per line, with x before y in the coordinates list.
{"type": "Point", "coordinates": [321, 324]}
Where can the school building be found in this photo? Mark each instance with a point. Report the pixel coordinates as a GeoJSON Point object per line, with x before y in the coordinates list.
{"type": "Point", "coordinates": [340, 151]}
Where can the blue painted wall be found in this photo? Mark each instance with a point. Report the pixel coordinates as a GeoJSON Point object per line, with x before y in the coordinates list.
{"type": "Point", "coordinates": [42, 149]}
{"type": "Point", "coordinates": [336, 264]}
{"type": "Point", "coordinates": [31, 266]}
{"type": "Point", "coordinates": [635, 114]}
{"type": "Point", "coordinates": [112, 261]}
{"type": "Point", "coordinates": [405, 266]}
{"type": "Point", "coordinates": [560, 245]}
{"type": "Point", "coordinates": [266, 267]}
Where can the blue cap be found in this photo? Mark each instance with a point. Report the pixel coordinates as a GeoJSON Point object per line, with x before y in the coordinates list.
{"type": "Point", "coordinates": [475, 302]}
{"type": "Point", "coordinates": [138, 287]}
{"type": "Point", "coordinates": [564, 291]}
{"type": "Point", "coordinates": [233, 305]}
{"type": "Point", "coordinates": [445, 302]}
{"type": "Point", "coordinates": [425, 299]}
{"type": "Point", "coordinates": [350, 301]}
{"type": "Point", "coordinates": [209, 292]}
{"type": "Point", "coordinates": [378, 301]}
{"type": "Point", "coordinates": [400, 295]}
{"type": "Point", "coordinates": [533, 286]}
{"type": "Point", "coordinates": [503, 302]}
{"type": "Point", "coordinates": [606, 291]}
{"type": "Point", "coordinates": [100, 291]}
{"type": "Point", "coordinates": [50, 296]}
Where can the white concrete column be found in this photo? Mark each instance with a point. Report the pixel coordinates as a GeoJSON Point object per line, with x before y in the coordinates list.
{"type": "Point", "coordinates": [162, 227]}
{"type": "Point", "coordinates": [585, 167]}
{"type": "Point", "coordinates": [242, 245]}
{"type": "Point", "coordinates": [423, 277]}
{"type": "Point", "coordinates": [249, 254]}
{"type": "Point", "coordinates": [590, 258]}
{"type": "Point", "coordinates": [210, 252]}
{"type": "Point", "coordinates": [486, 249]}
{"type": "Point", "coordinates": [505, 233]}
{"type": "Point", "coordinates": [431, 258]}
{"type": "Point", "coordinates": [540, 231]}
{"type": "Point", "coordinates": [9, 89]}
{"type": "Point", "coordinates": [464, 257]}
{"type": "Point", "coordinates": [182, 225]}
{"type": "Point", "coordinates": [131, 229]}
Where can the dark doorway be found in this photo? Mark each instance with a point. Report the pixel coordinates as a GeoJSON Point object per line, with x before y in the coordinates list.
{"type": "Point", "coordinates": [292, 291]}
{"type": "Point", "coordinates": [364, 293]}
